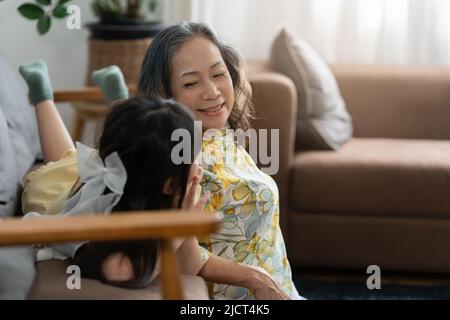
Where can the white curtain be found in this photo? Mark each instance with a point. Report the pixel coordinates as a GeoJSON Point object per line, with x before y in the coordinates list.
{"type": "Point", "coordinates": [413, 32]}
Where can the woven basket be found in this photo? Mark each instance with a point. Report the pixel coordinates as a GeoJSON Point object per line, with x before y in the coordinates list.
{"type": "Point", "coordinates": [127, 54]}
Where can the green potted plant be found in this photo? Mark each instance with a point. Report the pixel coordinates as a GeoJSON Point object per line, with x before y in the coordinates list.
{"type": "Point", "coordinates": [122, 34]}
{"type": "Point", "coordinates": [131, 19]}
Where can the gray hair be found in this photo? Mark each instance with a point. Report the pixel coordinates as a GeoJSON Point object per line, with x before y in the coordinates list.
{"type": "Point", "coordinates": [154, 78]}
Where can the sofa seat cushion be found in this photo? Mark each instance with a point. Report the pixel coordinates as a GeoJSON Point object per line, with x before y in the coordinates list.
{"type": "Point", "coordinates": [51, 283]}
{"type": "Point", "coordinates": [384, 177]}
{"type": "Point", "coordinates": [17, 272]}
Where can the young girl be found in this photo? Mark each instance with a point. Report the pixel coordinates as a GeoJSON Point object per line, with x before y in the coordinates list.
{"type": "Point", "coordinates": [132, 170]}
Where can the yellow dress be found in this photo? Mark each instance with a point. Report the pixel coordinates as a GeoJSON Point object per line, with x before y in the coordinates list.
{"type": "Point", "coordinates": [248, 199]}
{"type": "Point", "coordinates": [47, 189]}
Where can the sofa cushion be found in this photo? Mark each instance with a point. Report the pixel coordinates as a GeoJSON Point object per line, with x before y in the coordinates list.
{"type": "Point", "coordinates": [17, 272]}
{"type": "Point", "coordinates": [379, 177]}
{"type": "Point", "coordinates": [322, 119]}
{"type": "Point", "coordinates": [51, 283]}
{"type": "Point", "coordinates": [19, 115]}
{"type": "Point", "coordinates": [9, 178]}
{"type": "Point", "coordinates": [23, 138]}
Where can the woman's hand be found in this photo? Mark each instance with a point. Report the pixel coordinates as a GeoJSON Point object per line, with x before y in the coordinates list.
{"type": "Point", "coordinates": [221, 270]}
{"type": "Point", "coordinates": [265, 287]}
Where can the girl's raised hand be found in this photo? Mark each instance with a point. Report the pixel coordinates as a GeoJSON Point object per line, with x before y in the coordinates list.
{"type": "Point", "coordinates": [191, 192]}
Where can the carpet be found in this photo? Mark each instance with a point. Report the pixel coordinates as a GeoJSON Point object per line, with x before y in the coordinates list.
{"type": "Point", "coordinates": [327, 290]}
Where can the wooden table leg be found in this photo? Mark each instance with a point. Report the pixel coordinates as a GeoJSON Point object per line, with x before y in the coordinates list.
{"type": "Point", "coordinates": [78, 127]}
{"type": "Point", "coordinates": [170, 276]}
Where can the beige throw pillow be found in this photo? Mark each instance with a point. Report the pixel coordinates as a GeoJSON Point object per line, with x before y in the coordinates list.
{"type": "Point", "coordinates": [323, 121]}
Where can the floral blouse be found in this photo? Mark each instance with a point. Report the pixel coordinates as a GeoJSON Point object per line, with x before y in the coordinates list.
{"type": "Point", "coordinates": [248, 199]}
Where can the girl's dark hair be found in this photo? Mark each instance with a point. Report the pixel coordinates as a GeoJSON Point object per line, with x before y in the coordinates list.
{"type": "Point", "coordinates": [154, 78]}
{"type": "Point", "coordinates": [140, 130]}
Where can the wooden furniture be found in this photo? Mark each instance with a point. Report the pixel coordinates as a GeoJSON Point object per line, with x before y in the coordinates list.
{"type": "Point", "coordinates": [89, 105]}
{"type": "Point", "coordinates": [164, 225]}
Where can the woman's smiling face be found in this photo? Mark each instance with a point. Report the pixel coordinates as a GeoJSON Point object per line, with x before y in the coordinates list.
{"type": "Point", "coordinates": [200, 80]}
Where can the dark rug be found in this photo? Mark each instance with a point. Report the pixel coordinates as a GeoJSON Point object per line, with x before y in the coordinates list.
{"type": "Point", "coordinates": [318, 289]}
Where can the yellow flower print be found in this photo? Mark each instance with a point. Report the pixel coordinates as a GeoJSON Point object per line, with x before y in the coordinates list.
{"type": "Point", "coordinates": [268, 266]}
{"type": "Point", "coordinates": [214, 202]}
{"type": "Point", "coordinates": [275, 220]}
{"type": "Point", "coordinates": [266, 249]}
{"type": "Point", "coordinates": [224, 176]}
{"type": "Point", "coordinates": [229, 211]}
{"type": "Point", "coordinates": [240, 192]}
{"type": "Point", "coordinates": [285, 262]}
{"type": "Point", "coordinates": [252, 244]}
{"type": "Point", "coordinates": [248, 207]}
{"type": "Point", "coordinates": [210, 184]}
{"type": "Point", "coordinates": [240, 250]}
{"type": "Point", "coordinates": [271, 236]}
{"type": "Point", "coordinates": [266, 197]}
{"type": "Point", "coordinates": [244, 247]}
{"type": "Point", "coordinates": [287, 284]}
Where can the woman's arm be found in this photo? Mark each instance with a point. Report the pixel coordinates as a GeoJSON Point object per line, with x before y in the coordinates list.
{"type": "Point", "coordinates": [225, 271]}
{"type": "Point", "coordinates": [264, 287]}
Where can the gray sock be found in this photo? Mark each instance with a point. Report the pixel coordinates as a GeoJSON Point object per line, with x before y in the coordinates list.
{"type": "Point", "coordinates": [112, 83]}
{"type": "Point", "coordinates": [36, 76]}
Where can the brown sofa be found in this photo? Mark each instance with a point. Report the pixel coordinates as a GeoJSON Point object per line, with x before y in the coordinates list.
{"type": "Point", "coordinates": [384, 197]}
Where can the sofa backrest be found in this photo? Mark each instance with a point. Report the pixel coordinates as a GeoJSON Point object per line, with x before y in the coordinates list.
{"type": "Point", "coordinates": [397, 102]}
{"type": "Point", "coordinates": [19, 139]}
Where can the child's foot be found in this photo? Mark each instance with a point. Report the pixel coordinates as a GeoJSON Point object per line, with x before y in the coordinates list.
{"type": "Point", "coordinates": [117, 268]}
{"type": "Point", "coordinates": [112, 83]}
{"type": "Point", "coordinates": [36, 76]}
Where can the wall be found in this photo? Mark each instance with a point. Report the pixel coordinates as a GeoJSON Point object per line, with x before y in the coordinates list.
{"type": "Point", "coordinates": [64, 50]}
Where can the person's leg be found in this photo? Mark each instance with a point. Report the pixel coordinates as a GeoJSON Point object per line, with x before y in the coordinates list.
{"type": "Point", "coordinates": [112, 83]}
{"type": "Point", "coordinates": [54, 137]}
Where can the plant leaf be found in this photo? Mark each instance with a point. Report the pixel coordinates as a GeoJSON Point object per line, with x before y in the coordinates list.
{"type": "Point", "coordinates": [60, 11]}
{"type": "Point", "coordinates": [44, 24]}
{"type": "Point", "coordinates": [31, 11]}
{"type": "Point", "coordinates": [60, 2]}
{"type": "Point", "coordinates": [45, 2]}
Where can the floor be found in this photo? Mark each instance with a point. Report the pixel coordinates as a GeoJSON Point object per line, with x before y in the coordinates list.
{"type": "Point", "coordinates": [350, 285]}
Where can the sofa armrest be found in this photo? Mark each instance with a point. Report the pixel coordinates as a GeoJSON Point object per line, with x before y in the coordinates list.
{"type": "Point", "coordinates": [275, 100]}
{"type": "Point", "coordinates": [164, 225]}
